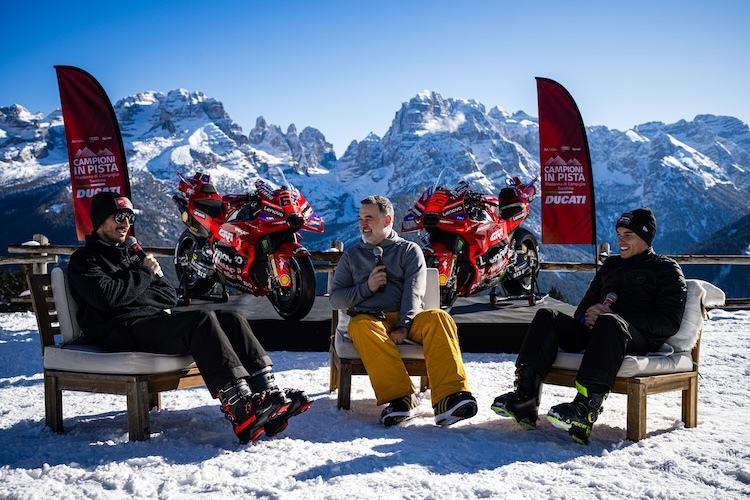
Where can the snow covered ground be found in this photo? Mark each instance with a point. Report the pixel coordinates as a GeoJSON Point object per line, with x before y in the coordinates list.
{"type": "Point", "coordinates": [326, 453]}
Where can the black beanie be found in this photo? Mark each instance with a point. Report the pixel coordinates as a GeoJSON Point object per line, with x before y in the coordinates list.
{"type": "Point", "coordinates": [105, 204]}
{"type": "Point", "coordinates": [641, 221]}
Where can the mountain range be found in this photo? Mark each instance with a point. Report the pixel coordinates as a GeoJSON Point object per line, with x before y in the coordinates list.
{"type": "Point", "coordinates": [694, 174]}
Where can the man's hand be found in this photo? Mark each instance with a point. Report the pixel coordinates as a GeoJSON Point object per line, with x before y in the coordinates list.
{"type": "Point", "coordinates": [398, 335]}
{"type": "Point", "coordinates": [377, 278]}
{"type": "Point", "coordinates": [593, 313]}
{"type": "Point", "coordinates": [150, 262]}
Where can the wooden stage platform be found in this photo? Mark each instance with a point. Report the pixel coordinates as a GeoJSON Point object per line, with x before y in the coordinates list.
{"type": "Point", "coordinates": [482, 327]}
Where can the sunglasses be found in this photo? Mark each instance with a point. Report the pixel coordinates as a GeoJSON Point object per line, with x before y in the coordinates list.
{"type": "Point", "coordinates": [121, 216]}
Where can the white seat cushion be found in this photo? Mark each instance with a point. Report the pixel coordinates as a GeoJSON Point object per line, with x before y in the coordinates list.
{"type": "Point", "coordinates": [633, 366]}
{"type": "Point", "coordinates": [91, 359]}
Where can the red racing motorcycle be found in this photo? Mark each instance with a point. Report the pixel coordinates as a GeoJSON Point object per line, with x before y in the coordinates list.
{"type": "Point", "coordinates": [475, 240]}
{"type": "Point", "coordinates": [248, 241]}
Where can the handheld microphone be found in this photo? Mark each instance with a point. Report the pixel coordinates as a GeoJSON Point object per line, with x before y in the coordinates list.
{"type": "Point", "coordinates": [610, 299]}
{"type": "Point", "coordinates": [378, 252]}
{"type": "Point", "coordinates": [133, 244]}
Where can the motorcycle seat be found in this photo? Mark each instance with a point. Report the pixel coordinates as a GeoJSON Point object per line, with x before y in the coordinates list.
{"type": "Point", "coordinates": [212, 207]}
{"type": "Point", "coordinates": [507, 211]}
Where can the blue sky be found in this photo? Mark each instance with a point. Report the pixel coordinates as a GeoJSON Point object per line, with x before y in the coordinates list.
{"type": "Point", "coordinates": [345, 67]}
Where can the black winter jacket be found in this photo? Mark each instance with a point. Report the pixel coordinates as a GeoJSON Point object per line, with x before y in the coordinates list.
{"type": "Point", "coordinates": [651, 293]}
{"type": "Point", "coordinates": [111, 289]}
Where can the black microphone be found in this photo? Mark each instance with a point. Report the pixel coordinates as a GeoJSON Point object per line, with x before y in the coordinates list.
{"type": "Point", "coordinates": [133, 244]}
{"type": "Point", "coordinates": [610, 299]}
{"type": "Point", "coordinates": [378, 252]}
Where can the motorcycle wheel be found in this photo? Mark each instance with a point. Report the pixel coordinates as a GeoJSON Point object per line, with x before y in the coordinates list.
{"type": "Point", "coordinates": [185, 252]}
{"type": "Point", "coordinates": [296, 302]}
{"type": "Point", "coordinates": [526, 250]}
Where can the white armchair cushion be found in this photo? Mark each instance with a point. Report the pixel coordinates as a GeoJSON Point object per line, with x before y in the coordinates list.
{"type": "Point", "coordinates": [65, 305]}
{"type": "Point", "coordinates": [70, 356]}
{"type": "Point", "coordinates": [700, 294]}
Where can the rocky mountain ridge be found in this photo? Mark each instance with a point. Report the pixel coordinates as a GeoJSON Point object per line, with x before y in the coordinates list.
{"type": "Point", "coordinates": [695, 175]}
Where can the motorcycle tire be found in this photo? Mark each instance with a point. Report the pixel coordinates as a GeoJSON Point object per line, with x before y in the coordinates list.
{"type": "Point", "coordinates": [185, 250]}
{"type": "Point", "coordinates": [526, 248]}
{"type": "Point", "coordinates": [295, 303]}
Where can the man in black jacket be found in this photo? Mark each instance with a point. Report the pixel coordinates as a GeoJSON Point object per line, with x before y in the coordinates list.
{"type": "Point", "coordinates": [123, 303]}
{"type": "Point", "coordinates": [634, 303]}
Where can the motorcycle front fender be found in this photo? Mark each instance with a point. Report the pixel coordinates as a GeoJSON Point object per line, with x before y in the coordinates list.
{"type": "Point", "coordinates": [443, 257]}
{"type": "Point", "coordinates": [279, 261]}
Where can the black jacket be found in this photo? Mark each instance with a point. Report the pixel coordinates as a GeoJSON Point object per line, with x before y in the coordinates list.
{"type": "Point", "coordinates": [651, 293]}
{"type": "Point", "coordinates": [111, 289]}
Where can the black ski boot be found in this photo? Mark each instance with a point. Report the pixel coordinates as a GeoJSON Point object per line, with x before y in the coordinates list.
{"type": "Point", "coordinates": [523, 403]}
{"type": "Point", "coordinates": [299, 402]}
{"type": "Point", "coordinates": [249, 412]}
{"type": "Point", "coordinates": [578, 417]}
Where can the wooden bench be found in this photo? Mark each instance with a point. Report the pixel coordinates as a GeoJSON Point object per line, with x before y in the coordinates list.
{"type": "Point", "coordinates": [345, 360]}
{"type": "Point", "coordinates": [641, 376]}
{"type": "Point", "coordinates": [141, 377]}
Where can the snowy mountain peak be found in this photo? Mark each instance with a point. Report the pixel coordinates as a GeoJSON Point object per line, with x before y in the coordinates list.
{"type": "Point", "coordinates": [677, 169]}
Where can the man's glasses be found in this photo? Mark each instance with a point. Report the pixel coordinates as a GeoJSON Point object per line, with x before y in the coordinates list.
{"type": "Point", "coordinates": [121, 216]}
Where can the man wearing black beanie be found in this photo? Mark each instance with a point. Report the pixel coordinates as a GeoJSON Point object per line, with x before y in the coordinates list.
{"type": "Point", "coordinates": [122, 307]}
{"type": "Point", "coordinates": [634, 303]}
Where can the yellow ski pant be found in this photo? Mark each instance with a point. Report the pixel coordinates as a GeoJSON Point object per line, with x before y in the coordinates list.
{"type": "Point", "coordinates": [434, 329]}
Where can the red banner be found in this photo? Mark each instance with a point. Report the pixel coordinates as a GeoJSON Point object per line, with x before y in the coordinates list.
{"type": "Point", "coordinates": [568, 209]}
{"type": "Point", "coordinates": [95, 151]}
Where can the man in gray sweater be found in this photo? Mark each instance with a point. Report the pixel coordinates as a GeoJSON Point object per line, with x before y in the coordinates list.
{"type": "Point", "coordinates": [380, 282]}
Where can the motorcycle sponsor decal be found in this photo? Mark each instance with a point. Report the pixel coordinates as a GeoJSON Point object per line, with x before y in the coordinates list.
{"type": "Point", "coordinates": [228, 236]}
{"type": "Point", "coordinates": [453, 210]}
{"type": "Point", "coordinates": [416, 212]}
{"type": "Point", "coordinates": [497, 235]}
{"type": "Point", "coordinates": [199, 214]}
{"type": "Point", "coordinates": [265, 190]}
{"type": "Point", "coordinates": [273, 211]}
{"type": "Point", "coordinates": [300, 250]}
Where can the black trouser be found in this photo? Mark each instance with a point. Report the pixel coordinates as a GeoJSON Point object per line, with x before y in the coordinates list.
{"type": "Point", "coordinates": [605, 346]}
{"type": "Point", "coordinates": [221, 343]}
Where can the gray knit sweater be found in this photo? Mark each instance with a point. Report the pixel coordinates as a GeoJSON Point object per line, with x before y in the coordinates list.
{"type": "Point", "coordinates": [407, 275]}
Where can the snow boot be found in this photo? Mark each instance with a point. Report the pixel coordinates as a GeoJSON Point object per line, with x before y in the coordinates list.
{"type": "Point", "coordinates": [454, 408]}
{"type": "Point", "coordinates": [578, 417]}
{"type": "Point", "coordinates": [298, 402]}
{"type": "Point", "coordinates": [523, 403]}
{"type": "Point", "coordinates": [249, 412]}
{"type": "Point", "coordinates": [399, 410]}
